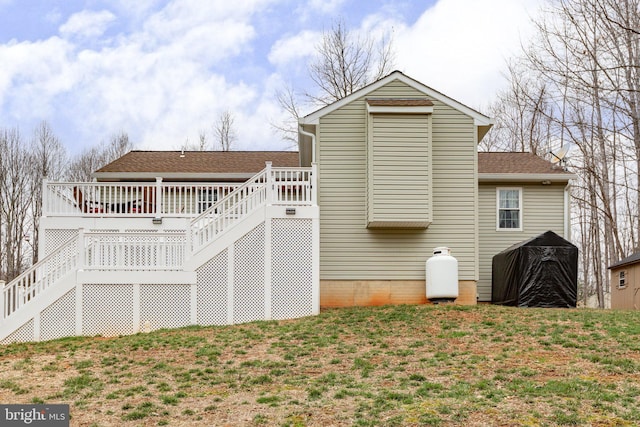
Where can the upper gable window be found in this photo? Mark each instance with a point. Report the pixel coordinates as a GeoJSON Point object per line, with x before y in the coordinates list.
{"type": "Point", "coordinates": [509, 209]}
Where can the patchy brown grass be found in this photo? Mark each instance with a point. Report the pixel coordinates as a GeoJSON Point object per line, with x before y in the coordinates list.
{"type": "Point", "coordinates": [395, 365]}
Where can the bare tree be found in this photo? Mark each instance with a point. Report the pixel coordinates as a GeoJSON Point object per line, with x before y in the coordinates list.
{"type": "Point", "coordinates": [344, 62]}
{"type": "Point", "coordinates": [48, 161]}
{"type": "Point", "coordinates": [580, 83]}
{"type": "Point", "coordinates": [523, 114]}
{"type": "Point", "coordinates": [92, 159]}
{"type": "Point", "coordinates": [288, 102]}
{"type": "Point", "coordinates": [202, 136]}
{"type": "Point", "coordinates": [224, 132]}
{"type": "Point", "coordinates": [14, 204]}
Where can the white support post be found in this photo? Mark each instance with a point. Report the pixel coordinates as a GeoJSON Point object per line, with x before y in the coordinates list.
{"type": "Point", "coordinates": [3, 310]}
{"type": "Point", "coordinates": [158, 196]}
{"type": "Point", "coordinates": [267, 266]}
{"type": "Point", "coordinates": [315, 264]}
{"type": "Point", "coordinates": [136, 308]}
{"type": "Point", "coordinates": [230, 281]}
{"type": "Point", "coordinates": [193, 302]}
{"type": "Point", "coordinates": [36, 326]}
{"type": "Point", "coordinates": [79, 314]}
{"type": "Point", "coordinates": [45, 197]}
{"type": "Point", "coordinates": [270, 184]}
{"type": "Point", "coordinates": [188, 252]}
{"type": "Point", "coordinates": [81, 249]}
{"type": "Point", "coordinates": [314, 183]}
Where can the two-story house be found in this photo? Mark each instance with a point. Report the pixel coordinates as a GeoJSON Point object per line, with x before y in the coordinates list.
{"type": "Point", "coordinates": [382, 177]}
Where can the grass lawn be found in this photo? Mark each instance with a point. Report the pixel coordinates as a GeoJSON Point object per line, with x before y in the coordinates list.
{"type": "Point", "coordinates": [397, 365]}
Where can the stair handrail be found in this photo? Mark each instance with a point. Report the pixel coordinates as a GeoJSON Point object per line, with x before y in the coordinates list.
{"type": "Point", "coordinates": [229, 210]}
{"type": "Point", "coordinates": [40, 276]}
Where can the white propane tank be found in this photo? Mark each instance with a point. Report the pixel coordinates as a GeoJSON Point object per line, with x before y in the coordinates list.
{"type": "Point", "coordinates": [442, 276]}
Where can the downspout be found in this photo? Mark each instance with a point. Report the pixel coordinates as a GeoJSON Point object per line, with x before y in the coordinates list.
{"type": "Point", "coordinates": [313, 142]}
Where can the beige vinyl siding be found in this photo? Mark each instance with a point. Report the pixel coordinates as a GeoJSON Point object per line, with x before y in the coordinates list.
{"type": "Point", "coordinates": [399, 170]}
{"type": "Point", "coordinates": [542, 210]}
{"type": "Point", "coordinates": [350, 251]}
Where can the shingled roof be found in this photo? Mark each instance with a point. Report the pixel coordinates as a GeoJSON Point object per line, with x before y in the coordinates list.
{"type": "Point", "coordinates": [198, 162]}
{"type": "Point", "coordinates": [631, 259]}
{"type": "Point", "coordinates": [516, 163]}
{"type": "Point", "coordinates": [138, 163]}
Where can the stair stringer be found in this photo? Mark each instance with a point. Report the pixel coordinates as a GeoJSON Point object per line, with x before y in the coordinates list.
{"type": "Point", "coordinates": [226, 239]}
{"type": "Point", "coordinates": [33, 309]}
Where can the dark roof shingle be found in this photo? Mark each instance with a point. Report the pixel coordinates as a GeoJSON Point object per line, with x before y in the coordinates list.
{"type": "Point", "coordinates": [205, 162]}
{"type": "Point", "coordinates": [516, 163]}
{"type": "Point", "coordinates": [631, 259]}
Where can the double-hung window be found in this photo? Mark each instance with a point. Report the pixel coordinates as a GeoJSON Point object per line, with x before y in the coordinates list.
{"type": "Point", "coordinates": [622, 279]}
{"type": "Point", "coordinates": [509, 209]}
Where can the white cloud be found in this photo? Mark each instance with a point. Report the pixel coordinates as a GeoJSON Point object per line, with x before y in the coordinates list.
{"type": "Point", "coordinates": [158, 84]}
{"type": "Point", "coordinates": [32, 74]}
{"type": "Point", "coordinates": [294, 48]}
{"type": "Point", "coordinates": [137, 8]}
{"type": "Point", "coordinates": [459, 47]}
{"type": "Point", "coordinates": [182, 65]}
{"type": "Point", "coordinates": [325, 6]}
{"type": "Point", "coordinates": [87, 23]}
{"type": "Point", "coordinates": [179, 16]}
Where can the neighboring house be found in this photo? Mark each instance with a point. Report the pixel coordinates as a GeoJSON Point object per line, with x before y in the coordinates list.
{"type": "Point", "coordinates": [382, 177]}
{"type": "Point", "coordinates": [625, 283]}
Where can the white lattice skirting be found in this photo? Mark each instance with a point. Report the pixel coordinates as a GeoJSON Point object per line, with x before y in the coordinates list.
{"type": "Point", "coordinates": [269, 273]}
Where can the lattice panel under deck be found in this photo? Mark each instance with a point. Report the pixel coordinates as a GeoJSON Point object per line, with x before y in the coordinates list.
{"type": "Point", "coordinates": [54, 238]}
{"type": "Point", "coordinates": [107, 310]}
{"type": "Point", "coordinates": [212, 291]}
{"type": "Point", "coordinates": [23, 334]}
{"type": "Point", "coordinates": [291, 271]}
{"type": "Point", "coordinates": [59, 319]}
{"type": "Point", "coordinates": [248, 270]}
{"type": "Point", "coordinates": [164, 306]}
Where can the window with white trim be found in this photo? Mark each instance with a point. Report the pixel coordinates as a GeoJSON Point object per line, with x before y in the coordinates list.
{"type": "Point", "coordinates": [509, 209]}
{"type": "Point", "coordinates": [622, 279]}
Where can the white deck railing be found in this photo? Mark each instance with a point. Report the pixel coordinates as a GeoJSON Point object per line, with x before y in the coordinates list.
{"type": "Point", "coordinates": [231, 209]}
{"type": "Point", "coordinates": [39, 277]}
{"type": "Point", "coordinates": [165, 199]}
{"type": "Point", "coordinates": [133, 251]}
{"type": "Point", "coordinates": [105, 199]}
{"type": "Point", "coordinates": [273, 186]}
{"type": "Point", "coordinates": [151, 251]}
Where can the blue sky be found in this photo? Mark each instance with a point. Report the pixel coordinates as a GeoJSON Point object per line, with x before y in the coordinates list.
{"type": "Point", "coordinates": [164, 70]}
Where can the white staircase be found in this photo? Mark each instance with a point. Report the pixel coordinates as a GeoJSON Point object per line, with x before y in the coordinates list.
{"type": "Point", "coordinates": [121, 283]}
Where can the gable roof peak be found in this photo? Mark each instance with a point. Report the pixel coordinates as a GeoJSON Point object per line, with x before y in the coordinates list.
{"type": "Point", "coordinates": [479, 118]}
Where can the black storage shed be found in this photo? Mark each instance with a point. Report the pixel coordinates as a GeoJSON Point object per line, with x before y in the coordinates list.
{"type": "Point", "coordinates": [539, 272]}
